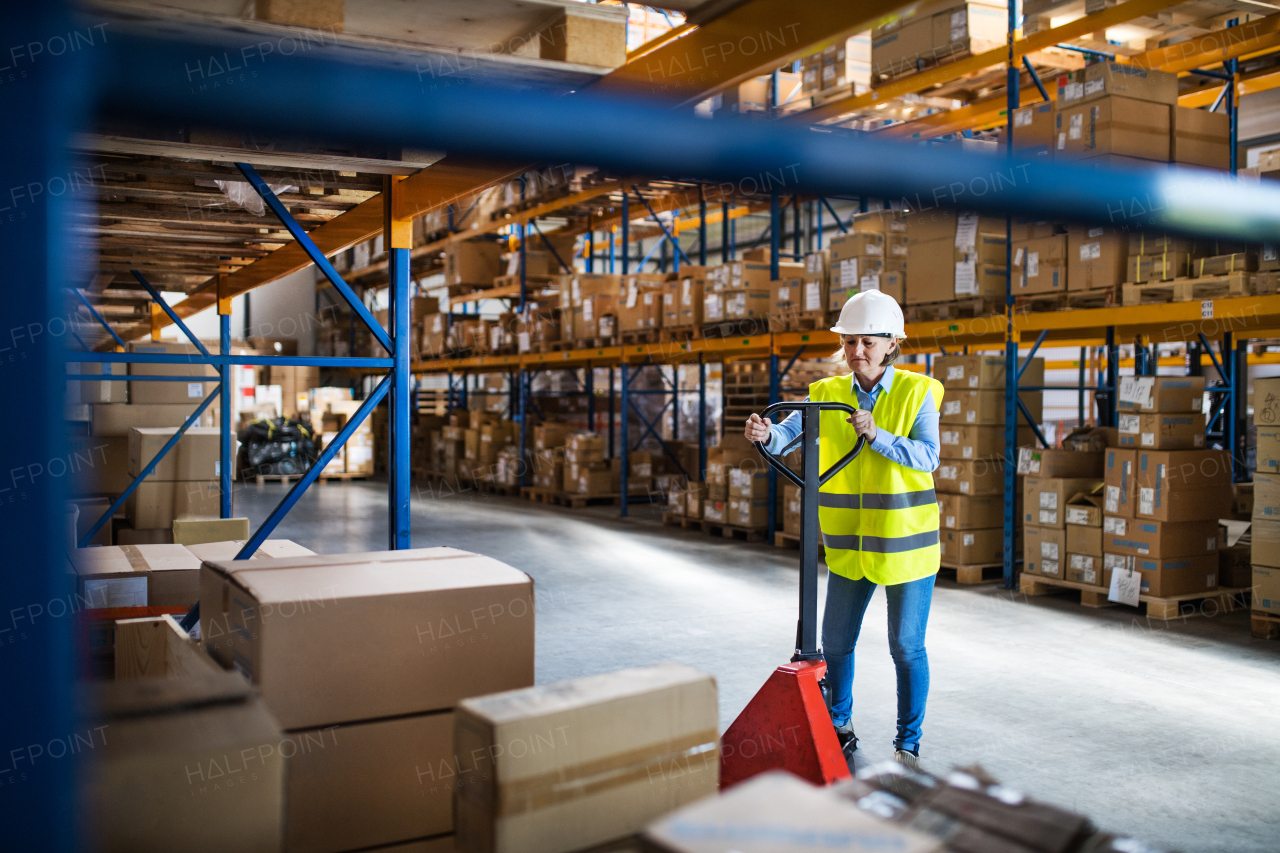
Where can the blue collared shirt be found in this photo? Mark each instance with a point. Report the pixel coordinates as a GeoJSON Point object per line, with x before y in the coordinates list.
{"type": "Point", "coordinates": [919, 450]}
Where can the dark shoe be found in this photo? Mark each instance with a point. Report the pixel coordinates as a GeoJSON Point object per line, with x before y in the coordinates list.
{"type": "Point", "coordinates": [848, 740]}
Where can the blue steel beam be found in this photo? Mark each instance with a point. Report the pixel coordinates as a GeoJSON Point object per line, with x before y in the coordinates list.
{"type": "Point", "coordinates": [1036, 346]}
{"type": "Point", "coordinates": [110, 331]}
{"type": "Point", "coordinates": [665, 232]}
{"type": "Point", "coordinates": [177, 321]}
{"type": "Point", "coordinates": [398, 426]}
{"type": "Point", "coordinates": [313, 252]}
{"type": "Point", "coordinates": [1035, 78]}
{"type": "Point", "coordinates": [834, 215]}
{"type": "Point", "coordinates": [146, 471]}
{"type": "Point", "coordinates": [226, 448]}
{"type": "Point", "coordinates": [219, 360]}
{"type": "Point", "coordinates": [313, 93]}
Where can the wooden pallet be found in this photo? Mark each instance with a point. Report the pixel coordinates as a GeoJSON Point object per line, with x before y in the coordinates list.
{"type": "Point", "coordinates": [676, 334]}
{"type": "Point", "coordinates": [355, 475]}
{"type": "Point", "coordinates": [743, 328]}
{"type": "Point", "coordinates": [260, 479]}
{"type": "Point", "coordinates": [956, 309]}
{"type": "Point", "coordinates": [733, 531]}
{"type": "Point", "coordinates": [783, 539]}
{"type": "Point", "coordinates": [1070, 301]}
{"type": "Point", "coordinates": [676, 519]}
{"type": "Point", "coordinates": [537, 494]}
{"type": "Point", "coordinates": [642, 336]}
{"type": "Point", "coordinates": [1186, 289]}
{"type": "Point", "coordinates": [488, 488]}
{"type": "Point", "coordinates": [576, 501]}
{"type": "Point", "coordinates": [1171, 607]}
{"type": "Point", "coordinates": [1263, 625]}
{"type": "Point", "coordinates": [595, 343]}
{"type": "Point", "coordinates": [975, 574]}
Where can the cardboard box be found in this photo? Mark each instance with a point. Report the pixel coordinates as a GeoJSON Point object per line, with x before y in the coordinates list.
{"type": "Point", "coordinates": [1224, 264]}
{"type": "Point", "coordinates": [1141, 269]}
{"type": "Point", "coordinates": [1112, 125]}
{"type": "Point", "coordinates": [1045, 498]}
{"type": "Point", "coordinates": [1201, 138]}
{"type": "Point", "coordinates": [1266, 418]}
{"type": "Point", "coordinates": [1085, 509]}
{"type": "Point", "coordinates": [1147, 538]}
{"type": "Point", "coordinates": [576, 764]}
{"type": "Point", "coordinates": [1234, 570]}
{"type": "Point", "coordinates": [157, 503]}
{"type": "Point", "coordinates": [116, 419]}
{"type": "Point", "coordinates": [136, 575]}
{"type": "Point", "coordinates": [775, 804]}
{"type": "Point", "coordinates": [1040, 265]}
{"type": "Point", "coordinates": [1165, 578]}
{"type": "Point", "coordinates": [98, 391]}
{"type": "Point", "coordinates": [1054, 462]}
{"type": "Point", "coordinates": [972, 547]}
{"type": "Point", "coordinates": [393, 629]}
{"type": "Point", "coordinates": [1084, 568]}
{"type": "Point", "coordinates": [748, 512]}
{"type": "Point", "coordinates": [1096, 257]}
{"type": "Point", "coordinates": [972, 442]}
{"type": "Point", "coordinates": [196, 456]}
{"type": "Point", "coordinates": [750, 482]}
{"type": "Point", "coordinates": [473, 262]}
{"type": "Point", "coordinates": [1044, 551]}
{"type": "Point", "coordinates": [1102, 79]}
{"type": "Point", "coordinates": [986, 408]}
{"type": "Point", "coordinates": [902, 50]}
{"type": "Point", "coordinates": [272, 549]}
{"type": "Point", "coordinates": [164, 392]}
{"type": "Point", "coordinates": [1162, 432]}
{"type": "Point", "coordinates": [1120, 494]}
{"type": "Point", "coordinates": [358, 785]}
{"type": "Point", "coordinates": [970, 512]}
{"type": "Point", "coordinates": [981, 372]}
{"type": "Point", "coordinates": [99, 464]}
{"type": "Point", "coordinates": [1265, 543]}
{"type": "Point", "coordinates": [886, 222]}
{"type": "Point", "coordinates": [1033, 132]}
{"type": "Point", "coordinates": [971, 476]}
{"type": "Point", "coordinates": [714, 510]}
{"type": "Point", "coordinates": [192, 758]}
{"type": "Point", "coordinates": [1266, 496]}
{"type": "Point", "coordinates": [1183, 485]}
{"type": "Point", "coordinates": [1171, 394]}
{"type": "Point", "coordinates": [1084, 540]}
{"type": "Point", "coordinates": [193, 531]}
{"type": "Point", "coordinates": [682, 303]}
{"type": "Point", "coordinates": [1266, 589]}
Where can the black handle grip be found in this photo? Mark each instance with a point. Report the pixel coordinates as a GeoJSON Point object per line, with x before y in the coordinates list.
{"type": "Point", "coordinates": [815, 406]}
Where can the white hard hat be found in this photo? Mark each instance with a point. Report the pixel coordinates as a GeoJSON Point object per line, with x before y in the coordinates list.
{"type": "Point", "coordinates": [871, 313]}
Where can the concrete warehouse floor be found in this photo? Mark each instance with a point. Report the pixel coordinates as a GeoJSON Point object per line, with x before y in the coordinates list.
{"type": "Point", "coordinates": [1169, 732]}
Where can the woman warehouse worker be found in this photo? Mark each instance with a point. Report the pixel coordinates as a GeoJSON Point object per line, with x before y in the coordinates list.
{"type": "Point", "coordinates": [879, 515]}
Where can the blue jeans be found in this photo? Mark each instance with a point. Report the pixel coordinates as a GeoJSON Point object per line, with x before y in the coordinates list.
{"type": "Point", "coordinates": [908, 615]}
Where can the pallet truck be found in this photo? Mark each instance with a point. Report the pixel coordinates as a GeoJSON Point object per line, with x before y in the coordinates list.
{"type": "Point", "coordinates": [787, 724]}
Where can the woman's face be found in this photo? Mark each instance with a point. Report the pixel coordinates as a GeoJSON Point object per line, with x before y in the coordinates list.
{"type": "Point", "coordinates": [865, 353]}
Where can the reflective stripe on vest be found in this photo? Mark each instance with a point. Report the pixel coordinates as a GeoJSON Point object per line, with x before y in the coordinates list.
{"type": "Point", "coordinates": [871, 500]}
{"type": "Point", "coordinates": [881, 544]}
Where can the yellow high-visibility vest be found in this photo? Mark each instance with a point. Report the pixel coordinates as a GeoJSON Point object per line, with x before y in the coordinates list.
{"type": "Point", "coordinates": [879, 519]}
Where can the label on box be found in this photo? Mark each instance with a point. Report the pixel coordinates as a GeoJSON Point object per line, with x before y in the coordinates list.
{"type": "Point", "coordinates": [951, 521]}
{"type": "Point", "coordinates": [948, 472]}
{"type": "Point", "coordinates": [522, 341]}
{"type": "Point", "coordinates": [648, 298]}
{"type": "Point", "coordinates": [686, 295]}
{"type": "Point", "coordinates": [513, 263]}
{"type": "Point", "coordinates": [1072, 91]}
{"type": "Point", "coordinates": [632, 292]}
{"type": "Point", "coordinates": [1111, 502]}
{"type": "Point", "coordinates": [1022, 118]}
{"type": "Point", "coordinates": [1269, 251]}
{"type": "Point", "coordinates": [1117, 561]}
{"type": "Point", "coordinates": [1028, 460]}
{"type": "Point", "coordinates": [1049, 549]}
{"type": "Point", "coordinates": [1033, 264]}
{"type": "Point", "coordinates": [714, 307]}
{"type": "Point", "coordinates": [1062, 141]}
{"type": "Point", "coordinates": [1146, 501]}
{"type": "Point", "coordinates": [1076, 515]}
{"type": "Point", "coordinates": [813, 296]}
{"type": "Point", "coordinates": [1096, 232]}
{"type": "Point", "coordinates": [966, 231]}
{"type": "Point", "coordinates": [195, 389]}
{"type": "Point", "coordinates": [1075, 127]}
{"type": "Point", "coordinates": [1211, 543]}
{"type": "Point", "coordinates": [958, 18]}
{"type": "Point", "coordinates": [1049, 567]}
{"type": "Point", "coordinates": [116, 592]}
{"type": "Point", "coordinates": [1081, 561]}
{"type": "Point", "coordinates": [973, 381]}
{"type": "Point", "coordinates": [949, 437]}
{"type": "Point", "coordinates": [964, 487]}
{"type": "Point", "coordinates": [951, 407]}
{"type": "Point", "coordinates": [668, 300]}
{"type": "Point", "coordinates": [971, 417]}
{"type": "Point", "coordinates": [1090, 251]}
{"type": "Point", "coordinates": [1128, 424]}
{"type": "Point", "coordinates": [1114, 525]}
{"type": "Point", "coordinates": [848, 272]}
{"type": "Point", "coordinates": [955, 372]}
{"type": "Point", "coordinates": [968, 539]}
{"type": "Point", "coordinates": [966, 278]}
{"type": "Point", "coordinates": [1048, 500]}
{"type": "Point", "coordinates": [966, 452]}
{"type": "Point", "coordinates": [1093, 86]}
{"type": "Point", "coordinates": [1126, 586]}
{"type": "Point", "coordinates": [784, 294]}
{"type": "Point", "coordinates": [1048, 516]}
{"type": "Point", "coordinates": [958, 33]}
{"type": "Point", "coordinates": [588, 311]}
{"type": "Point", "coordinates": [1137, 390]}
{"type": "Point", "coordinates": [868, 282]}
{"type": "Point", "coordinates": [1148, 439]}
{"type": "Point", "coordinates": [1017, 258]}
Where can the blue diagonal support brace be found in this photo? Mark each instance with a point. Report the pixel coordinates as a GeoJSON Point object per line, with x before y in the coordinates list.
{"type": "Point", "coordinates": [94, 311]}
{"type": "Point", "coordinates": [313, 252]}
{"type": "Point", "coordinates": [1035, 78]}
{"type": "Point", "coordinates": [661, 225]}
{"type": "Point", "coordinates": [835, 216]}
{"type": "Point", "coordinates": [177, 321]}
{"type": "Point", "coordinates": [547, 243]}
{"type": "Point", "coordinates": [1023, 367]}
{"type": "Point", "coordinates": [1035, 427]}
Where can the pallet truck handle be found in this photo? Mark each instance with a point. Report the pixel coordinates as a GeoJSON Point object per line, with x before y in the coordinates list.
{"type": "Point", "coordinates": [806, 406]}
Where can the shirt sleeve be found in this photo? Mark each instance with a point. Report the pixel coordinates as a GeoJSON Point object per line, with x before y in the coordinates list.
{"type": "Point", "coordinates": [783, 432]}
{"type": "Point", "coordinates": [919, 450]}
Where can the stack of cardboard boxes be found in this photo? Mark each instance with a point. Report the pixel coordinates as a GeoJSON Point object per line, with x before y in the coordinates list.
{"type": "Point", "coordinates": [295, 386]}
{"type": "Point", "coordinates": [586, 472]}
{"type": "Point", "coordinates": [370, 732]}
{"type": "Point", "coordinates": [924, 35]}
{"type": "Point", "coordinates": [970, 476]}
{"type": "Point", "coordinates": [1265, 529]}
{"type": "Point", "coordinates": [955, 256]}
{"type": "Point", "coordinates": [738, 297]}
{"type": "Point", "coordinates": [1052, 487]}
{"type": "Point", "coordinates": [640, 306]}
{"type": "Point", "coordinates": [356, 455]}
{"type": "Point", "coordinates": [682, 299]}
{"type": "Point", "coordinates": [873, 256]}
{"type": "Point", "coordinates": [184, 484]}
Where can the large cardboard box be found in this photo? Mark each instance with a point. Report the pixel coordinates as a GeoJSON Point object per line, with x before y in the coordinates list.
{"type": "Point", "coordinates": [748, 512]}
{"type": "Point", "coordinates": [136, 575]}
{"type": "Point", "coordinates": [1141, 269]}
{"type": "Point", "coordinates": [1171, 394]}
{"type": "Point", "coordinates": [363, 636]}
{"type": "Point", "coordinates": [99, 464]}
{"type": "Point", "coordinates": [473, 262]}
{"type": "Point", "coordinates": [1120, 495]}
{"type": "Point", "coordinates": [986, 408]}
{"type": "Point", "coordinates": [902, 50]}
{"type": "Point", "coordinates": [1084, 509]}
{"type": "Point", "coordinates": [1162, 431]}
{"type": "Point", "coordinates": [165, 392]}
{"type": "Point", "coordinates": [1265, 543]}
{"type": "Point", "coordinates": [1112, 125]}
{"type": "Point", "coordinates": [1266, 589]}
{"type": "Point", "coordinates": [1044, 499]}
{"type": "Point", "coordinates": [195, 758]}
{"type": "Point", "coordinates": [576, 764]}
{"type": "Point", "coordinates": [1164, 578]}
{"type": "Point", "coordinates": [750, 482]}
{"type": "Point", "coordinates": [360, 785]}
{"type": "Point", "coordinates": [1044, 551]}
{"type": "Point", "coordinates": [156, 503]}
{"type": "Point", "coordinates": [95, 390]}
{"type": "Point", "coordinates": [1040, 265]}
{"type": "Point", "coordinates": [981, 372]}
{"type": "Point", "coordinates": [970, 512]}
{"type": "Point", "coordinates": [1183, 485]}
{"type": "Point", "coordinates": [1266, 496]}
{"type": "Point", "coordinates": [1055, 462]}
{"type": "Point", "coordinates": [1084, 568]}
{"type": "Point", "coordinates": [1201, 138]}
{"type": "Point", "coordinates": [1146, 538]}
{"type": "Point", "coordinates": [1096, 257]}
{"type": "Point", "coordinates": [1112, 78]}
{"type": "Point", "coordinates": [971, 476]}
{"type": "Point", "coordinates": [682, 302]}
{"type": "Point", "coordinates": [272, 549]}
{"type": "Point", "coordinates": [972, 547]}
{"type": "Point", "coordinates": [196, 456]}
{"type": "Point", "coordinates": [1266, 418]}
{"type": "Point", "coordinates": [1033, 132]}
{"type": "Point", "coordinates": [1084, 540]}
{"type": "Point", "coordinates": [971, 442]}
{"type": "Point", "coordinates": [116, 419]}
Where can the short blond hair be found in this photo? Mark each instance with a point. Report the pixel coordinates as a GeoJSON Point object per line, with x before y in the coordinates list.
{"type": "Point", "coordinates": [837, 357]}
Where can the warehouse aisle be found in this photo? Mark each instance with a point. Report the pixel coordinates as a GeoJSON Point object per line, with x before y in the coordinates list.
{"type": "Point", "coordinates": [1169, 733]}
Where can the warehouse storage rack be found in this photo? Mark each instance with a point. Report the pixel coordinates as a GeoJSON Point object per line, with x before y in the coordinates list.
{"type": "Point", "coordinates": [141, 76]}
